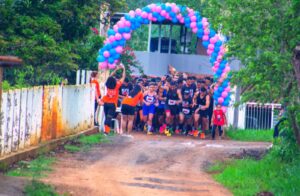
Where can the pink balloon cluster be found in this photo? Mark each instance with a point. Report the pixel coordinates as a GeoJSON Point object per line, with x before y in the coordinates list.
{"type": "Point", "coordinates": [170, 11]}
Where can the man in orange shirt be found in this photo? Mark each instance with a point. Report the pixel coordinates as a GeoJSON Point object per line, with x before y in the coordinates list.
{"type": "Point", "coordinates": [97, 94]}
{"type": "Point", "coordinates": [110, 100]}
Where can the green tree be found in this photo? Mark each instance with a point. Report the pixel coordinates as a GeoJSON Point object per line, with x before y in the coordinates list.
{"type": "Point", "coordinates": [54, 38]}
{"type": "Point", "coordinates": [263, 35]}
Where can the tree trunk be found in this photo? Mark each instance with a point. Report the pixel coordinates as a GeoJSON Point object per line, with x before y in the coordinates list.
{"type": "Point", "coordinates": [296, 63]}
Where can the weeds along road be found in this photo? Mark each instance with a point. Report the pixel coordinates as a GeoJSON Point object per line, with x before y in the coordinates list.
{"type": "Point", "coordinates": [145, 165]}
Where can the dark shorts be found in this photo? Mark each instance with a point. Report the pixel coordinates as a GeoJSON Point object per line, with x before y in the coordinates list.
{"type": "Point", "coordinates": [127, 110]}
{"type": "Point", "coordinates": [203, 113]}
{"type": "Point", "coordinates": [160, 111]}
{"type": "Point", "coordinates": [172, 109]}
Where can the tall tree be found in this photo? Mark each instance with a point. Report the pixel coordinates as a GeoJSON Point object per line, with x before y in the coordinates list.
{"type": "Point", "coordinates": [263, 35]}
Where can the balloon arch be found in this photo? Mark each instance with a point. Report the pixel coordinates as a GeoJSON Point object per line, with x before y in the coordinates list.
{"type": "Point", "coordinates": [109, 55]}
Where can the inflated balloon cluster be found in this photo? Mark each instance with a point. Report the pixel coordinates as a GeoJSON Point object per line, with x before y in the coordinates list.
{"type": "Point", "coordinates": [109, 55]}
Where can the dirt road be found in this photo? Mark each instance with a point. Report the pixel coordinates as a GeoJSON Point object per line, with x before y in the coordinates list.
{"type": "Point", "coordinates": [145, 165]}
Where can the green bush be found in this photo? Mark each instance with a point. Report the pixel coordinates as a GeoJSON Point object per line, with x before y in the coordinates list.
{"type": "Point", "coordinates": [250, 135]}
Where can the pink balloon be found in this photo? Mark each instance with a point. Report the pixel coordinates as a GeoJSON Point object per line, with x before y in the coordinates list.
{"type": "Point", "coordinates": [217, 64]}
{"type": "Point", "coordinates": [115, 28]}
{"type": "Point", "coordinates": [219, 57]}
{"type": "Point", "coordinates": [193, 18]}
{"type": "Point", "coordinates": [150, 17]}
{"type": "Point", "coordinates": [127, 36]}
{"type": "Point", "coordinates": [174, 8]}
{"type": "Point", "coordinates": [214, 69]}
{"type": "Point", "coordinates": [211, 47]}
{"type": "Point", "coordinates": [121, 24]}
{"type": "Point", "coordinates": [106, 54]}
{"type": "Point", "coordinates": [193, 24]}
{"type": "Point", "coordinates": [224, 94]}
{"type": "Point", "coordinates": [209, 52]}
{"type": "Point", "coordinates": [205, 24]}
{"type": "Point", "coordinates": [181, 20]}
{"type": "Point", "coordinates": [224, 109]}
{"type": "Point", "coordinates": [127, 23]}
{"type": "Point", "coordinates": [227, 89]}
{"type": "Point", "coordinates": [227, 69]}
{"type": "Point", "coordinates": [158, 9]}
{"type": "Point", "coordinates": [118, 36]}
{"type": "Point", "coordinates": [204, 20]}
{"type": "Point", "coordinates": [220, 100]}
{"type": "Point", "coordinates": [102, 65]}
{"type": "Point", "coordinates": [132, 13]}
{"type": "Point", "coordinates": [163, 13]}
{"type": "Point", "coordinates": [213, 40]}
{"type": "Point", "coordinates": [119, 49]}
{"type": "Point", "coordinates": [138, 11]}
{"type": "Point", "coordinates": [144, 15]}
{"type": "Point", "coordinates": [112, 38]}
{"type": "Point", "coordinates": [111, 66]}
{"type": "Point", "coordinates": [223, 76]}
{"type": "Point", "coordinates": [205, 37]}
{"type": "Point", "coordinates": [195, 30]}
{"type": "Point", "coordinates": [216, 87]}
{"type": "Point", "coordinates": [206, 32]}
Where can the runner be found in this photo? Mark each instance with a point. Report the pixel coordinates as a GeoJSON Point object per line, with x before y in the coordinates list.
{"type": "Point", "coordinates": [201, 103]}
{"type": "Point", "coordinates": [128, 109]}
{"type": "Point", "coordinates": [94, 80]}
{"type": "Point", "coordinates": [150, 99]}
{"type": "Point", "coordinates": [174, 98]}
{"type": "Point", "coordinates": [160, 112]}
{"type": "Point", "coordinates": [189, 87]}
{"type": "Point", "coordinates": [110, 100]}
{"type": "Point", "coordinates": [186, 115]}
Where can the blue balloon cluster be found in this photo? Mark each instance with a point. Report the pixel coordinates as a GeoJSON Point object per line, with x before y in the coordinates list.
{"type": "Point", "coordinates": [111, 50]}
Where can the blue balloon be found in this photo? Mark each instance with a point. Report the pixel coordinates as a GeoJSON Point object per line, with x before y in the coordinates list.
{"type": "Point", "coordinates": [163, 6]}
{"type": "Point", "coordinates": [146, 21]}
{"type": "Point", "coordinates": [155, 14]}
{"type": "Point", "coordinates": [200, 26]}
{"type": "Point", "coordinates": [111, 60]}
{"type": "Point", "coordinates": [108, 46]}
{"type": "Point", "coordinates": [100, 58]}
{"type": "Point", "coordinates": [205, 44]}
{"type": "Point", "coordinates": [168, 9]}
{"type": "Point", "coordinates": [160, 18]}
{"type": "Point", "coordinates": [121, 30]}
{"type": "Point", "coordinates": [217, 49]}
{"type": "Point", "coordinates": [127, 30]}
{"type": "Point", "coordinates": [172, 15]}
{"type": "Point", "coordinates": [115, 44]}
{"type": "Point", "coordinates": [212, 33]}
{"type": "Point", "coordinates": [187, 20]}
{"type": "Point", "coordinates": [122, 42]}
{"type": "Point", "coordinates": [219, 72]}
{"type": "Point", "coordinates": [111, 32]}
{"type": "Point", "coordinates": [222, 66]}
{"type": "Point", "coordinates": [212, 60]}
{"type": "Point", "coordinates": [112, 52]}
{"type": "Point", "coordinates": [174, 20]}
{"type": "Point", "coordinates": [214, 55]}
{"type": "Point", "coordinates": [218, 44]}
{"type": "Point", "coordinates": [127, 17]}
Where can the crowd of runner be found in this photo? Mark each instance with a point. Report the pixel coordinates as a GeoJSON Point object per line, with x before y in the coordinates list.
{"type": "Point", "coordinates": [171, 104]}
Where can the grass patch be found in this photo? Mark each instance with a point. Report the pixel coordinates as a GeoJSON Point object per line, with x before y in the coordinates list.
{"type": "Point", "coordinates": [36, 168]}
{"type": "Point", "coordinates": [250, 135]}
{"type": "Point", "coordinates": [36, 188]}
{"type": "Point", "coordinates": [84, 142]}
{"type": "Point", "coordinates": [248, 177]}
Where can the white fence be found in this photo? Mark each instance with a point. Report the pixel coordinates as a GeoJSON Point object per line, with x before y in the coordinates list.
{"type": "Point", "coordinates": [38, 114]}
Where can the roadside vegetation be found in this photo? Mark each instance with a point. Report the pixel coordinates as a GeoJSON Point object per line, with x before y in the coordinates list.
{"type": "Point", "coordinates": [250, 135]}
{"type": "Point", "coordinates": [41, 166]}
{"type": "Point", "coordinates": [276, 173]}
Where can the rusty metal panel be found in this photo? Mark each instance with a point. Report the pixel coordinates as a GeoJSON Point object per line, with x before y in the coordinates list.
{"type": "Point", "coordinates": [22, 118]}
{"type": "Point", "coordinates": [52, 113]}
{"type": "Point", "coordinates": [9, 122]}
{"type": "Point", "coordinates": [28, 123]}
{"type": "Point", "coordinates": [16, 120]}
{"type": "Point", "coordinates": [4, 123]}
{"type": "Point", "coordinates": [38, 101]}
